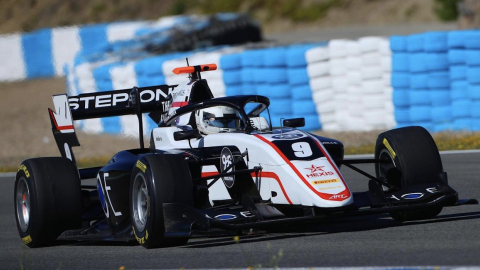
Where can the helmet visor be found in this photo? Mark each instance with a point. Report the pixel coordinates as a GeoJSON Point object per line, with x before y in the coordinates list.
{"type": "Point", "coordinates": [227, 121]}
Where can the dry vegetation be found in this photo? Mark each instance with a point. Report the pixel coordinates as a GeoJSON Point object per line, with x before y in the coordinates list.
{"type": "Point", "coordinates": [275, 15]}
{"type": "Point", "coordinates": [364, 142]}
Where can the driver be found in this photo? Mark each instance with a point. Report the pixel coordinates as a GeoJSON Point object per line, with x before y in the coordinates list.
{"type": "Point", "coordinates": [217, 119]}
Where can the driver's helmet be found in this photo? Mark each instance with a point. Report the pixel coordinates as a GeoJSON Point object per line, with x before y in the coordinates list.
{"type": "Point", "coordinates": [217, 119]}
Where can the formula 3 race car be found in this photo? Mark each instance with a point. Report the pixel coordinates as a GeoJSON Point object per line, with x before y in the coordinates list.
{"type": "Point", "coordinates": [269, 176]}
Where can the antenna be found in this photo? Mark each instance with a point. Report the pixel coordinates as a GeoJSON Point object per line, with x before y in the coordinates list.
{"type": "Point", "coordinates": [189, 74]}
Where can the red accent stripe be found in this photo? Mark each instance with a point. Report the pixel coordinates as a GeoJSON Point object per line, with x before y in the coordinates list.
{"type": "Point", "coordinates": [55, 122]}
{"type": "Point", "coordinates": [206, 174]}
{"type": "Point", "coordinates": [274, 176]}
{"type": "Point", "coordinates": [321, 195]}
{"type": "Point", "coordinates": [262, 174]}
{"type": "Point", "coordinates": [178, 104]}
{"type": "Point", "coordinates": [333, 165]}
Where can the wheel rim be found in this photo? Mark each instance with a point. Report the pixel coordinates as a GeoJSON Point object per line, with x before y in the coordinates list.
{"type": "Point", "coordinates": [140, 202]}
{"type": "Point", "coordinates": [384, 155]}
{"type": "Point", "coordinates": [22, 201]}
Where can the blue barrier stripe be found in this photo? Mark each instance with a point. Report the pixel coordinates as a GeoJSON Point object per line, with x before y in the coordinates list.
{"type": "Point", "coordinates": [37, 53]}
{"type": "Point", "coordinates": [445, 98]}
{"type": "Point", "coordinates": [93, 38]}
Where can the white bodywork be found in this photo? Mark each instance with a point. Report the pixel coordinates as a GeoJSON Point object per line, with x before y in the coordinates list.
{"type": "Point", "coordinates": [316, 182]}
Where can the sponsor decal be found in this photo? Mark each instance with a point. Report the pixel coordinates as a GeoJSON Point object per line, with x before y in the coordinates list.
{"type": "Point", "coordinates": [247, 214]}
{"type": "Point", "coordinates": [225, 217]}
{"type": "Point", "coordinates": [24, 169]}
{"type": "Point", "coordinates": [101, 196]}
{"type": "Point", "coordinates": [27, 239]}
{"type": "Point", "coordinates": [329, 143]}
{"type": "Point", "coordinates": [140, 240]}
{"type": "Point", "coordinates": [328, 181]}
{"type": "Point", "coordinates": [314, 168]}
{"type": "Point", "coordinates": [317, 171]}
{"type": "Point", "coordinates": [226, 159]}
{"type": "Point", "coordinates": [412, 196]}
{"type": "Point", "coordinates": [141, 166]}
{"type": "Point", "coordinates": [158, 139]}
{"type": "Point", "coordinates": [389, 148]}
{"type": "Point", "coordinates": [338, 196]}
{"type": "Point", "coordinates": [287, 136]}
{"type": "Point", "coordinates": [105, 191]}
{"type": "Point", "coordinates": [325, 188]}
{"type": "Point", "coordinates": [114, 99]}
{"type": "Point", "coordinates": [408, 196]}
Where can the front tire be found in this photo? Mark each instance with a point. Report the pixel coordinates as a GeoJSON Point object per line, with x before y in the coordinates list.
{"type": "Point", "coordinates": [413, 159]}
{"type": "Point", "coordinates": [158, 179]}
{"type": "Point", "coordinates": [48, 200]}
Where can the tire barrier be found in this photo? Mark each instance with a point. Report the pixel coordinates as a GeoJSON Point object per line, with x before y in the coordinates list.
{"type": "Point", "coordinates": [443, 77]}
{"type": "Point", "coordinates": [349, 83]}
{"type": "Point", "coordinates": [429, 79]}
{"type": "Point", "coordinates": [418, 102]}
{"type": "Point", "coordinates": [317, 81]}
{"type": "Point", "coordinates": [45, 52]}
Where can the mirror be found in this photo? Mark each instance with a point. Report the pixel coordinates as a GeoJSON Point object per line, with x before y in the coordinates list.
{"type": "Point", "coordinates": [186, 134]}
{"type": "Point", "coordinates": [294, 122]}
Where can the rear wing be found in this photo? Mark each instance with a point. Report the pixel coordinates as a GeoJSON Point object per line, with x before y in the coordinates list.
{"type": "Point", "coordinates": [120, 102]}
{"type": "Point", "coordinates": [133, 101]}
{"type": "Point", "coordinates": [155, 100]}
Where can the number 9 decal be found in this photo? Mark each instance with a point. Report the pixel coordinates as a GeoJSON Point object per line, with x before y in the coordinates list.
{"type": "Point", "coordinates": [302, 149]}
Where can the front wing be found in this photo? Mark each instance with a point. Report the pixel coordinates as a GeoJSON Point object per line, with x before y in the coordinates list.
{"type": "Point", "coordinates": [182, 220]}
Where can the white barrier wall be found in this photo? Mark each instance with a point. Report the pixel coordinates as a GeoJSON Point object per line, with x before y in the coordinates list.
{"type": "Point", "coordinates": [351, 84]}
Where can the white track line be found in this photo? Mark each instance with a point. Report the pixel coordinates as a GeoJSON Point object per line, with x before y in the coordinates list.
{"type": "Point", "coordinates": [449, 152]}
{"type": "Point", "coordinates": [8, 174]}
{"type": "Point", "coordinates": [364, 268]}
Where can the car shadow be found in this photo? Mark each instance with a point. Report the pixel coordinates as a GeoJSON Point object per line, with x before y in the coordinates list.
{"type": "Point", "coordinates": [353, 224]}
{"type": "Point", "coordinates": [356, 224]}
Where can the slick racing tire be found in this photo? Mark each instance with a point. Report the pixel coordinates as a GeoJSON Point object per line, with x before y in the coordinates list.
{"type": "Point", "coordinates": [47, 199]}
{"type": "Point", "coordinates": [158, 179]}
{"type": "Point", "coordinates": [413, 152]}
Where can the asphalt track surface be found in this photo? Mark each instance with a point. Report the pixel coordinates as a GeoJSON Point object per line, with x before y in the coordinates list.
{"type": "Point", "coordinates": [451, 239]}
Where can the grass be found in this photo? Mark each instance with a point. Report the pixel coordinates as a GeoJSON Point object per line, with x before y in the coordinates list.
{"type": "Point", "coordinates": [364, 142]}
{"type": "Point", "coordinates": [294, 10]}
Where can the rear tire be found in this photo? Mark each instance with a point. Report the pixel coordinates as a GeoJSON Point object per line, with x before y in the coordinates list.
{"type": "Point", "coordinates": [413, 152]}
{"type": "Point", "coordinates": [48, 200]}
{"type": "Point", "coordinates": [158, 179]}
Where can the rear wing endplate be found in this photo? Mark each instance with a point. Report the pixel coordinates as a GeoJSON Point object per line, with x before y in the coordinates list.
{"type": "Point", "coordinates": [134, 101]}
